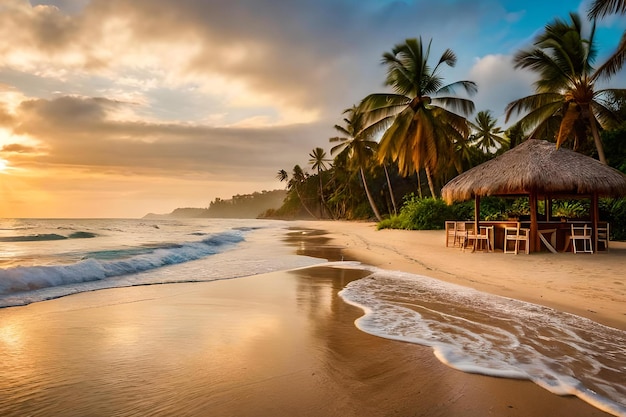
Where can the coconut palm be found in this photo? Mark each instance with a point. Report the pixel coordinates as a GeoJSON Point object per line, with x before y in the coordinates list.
{"type": "Point", "coordinates": [564, 59]}
{"type": "Point", "coordinates": [425, 126]}
{"type": "Point", "coordinates": [486, 135]}
{"type": "Point", "coordinates": [282, 175]}
{"type": "Point", "coordinates": [357, 142]}
{"type": "Point", "coordinates": [319, 162]}
{"type": "Point", "coordinates": [298, 177]}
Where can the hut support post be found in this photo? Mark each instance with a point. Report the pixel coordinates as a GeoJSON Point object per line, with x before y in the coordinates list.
{"type": "Point", "coordinates": [595, 215]}
{"type": "Point", "coordinates": [476, 214]}
{"type": "Point", "coordinates": [534, 235]}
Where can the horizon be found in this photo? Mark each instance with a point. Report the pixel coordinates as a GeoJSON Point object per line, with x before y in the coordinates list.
{"type": "Point", "coordinates": [116, 108]}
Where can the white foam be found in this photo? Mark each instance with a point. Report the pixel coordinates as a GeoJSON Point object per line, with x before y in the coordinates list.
{"type": "Point", "coordinates": [481, 333]}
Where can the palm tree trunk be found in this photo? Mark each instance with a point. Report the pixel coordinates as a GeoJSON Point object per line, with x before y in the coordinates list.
{"type": "Point", "coordinates": [319, 174]}
{"type": "Point", "coordinates": [596, 138]}
{"type": "Point", "coordinates": [393, 199]}
{"type": "Point", "coordinates": [419, 183]}
{"type": "Point", "coordinates": [369, 197]}
{"type": "Point", "coordinates": [430, 182]}
{"type": "Point", "coordinates": [302, 202]}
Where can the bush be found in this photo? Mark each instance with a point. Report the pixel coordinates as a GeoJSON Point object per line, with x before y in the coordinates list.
{"type": "Point", "coordinates": [393, 222]}
{"type": "Point", "coordinates": [419, 214]}
{"type": "Point", "coordinates": [616, 217]}
{"type": "Point", "coordinates": [569, 209]}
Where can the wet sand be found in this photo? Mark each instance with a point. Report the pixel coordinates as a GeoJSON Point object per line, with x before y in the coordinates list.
{"type": "Point", "coordinates": [278, 344]}
{"type": "Point", "coordinates": [274, 344]}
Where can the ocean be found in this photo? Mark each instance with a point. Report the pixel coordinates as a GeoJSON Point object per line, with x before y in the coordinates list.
{"type": "Point", "coordinates": [475, 332]}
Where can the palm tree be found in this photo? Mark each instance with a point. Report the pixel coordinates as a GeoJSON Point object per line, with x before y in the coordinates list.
{"type": "Point", "coordinates": [282, 175]}
{"type": "Point", "coordinates": [298, 177]}
{"type": "Point", "coordinates": [564, 59]}
{"type": "Point", "coordinates": [319, 162]}
{"type": "Point", "coordinates": [515, 134]}
{"type": "Point", "coordinates": [487, 136]}
{"type": "Point", "coordinates": [423, 130]}
{"type": "Point", "coordinates": [357, 142]}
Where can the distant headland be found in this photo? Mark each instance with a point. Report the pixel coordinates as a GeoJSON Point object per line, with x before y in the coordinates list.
{"type": "Point", "coordinates": [245, 206]}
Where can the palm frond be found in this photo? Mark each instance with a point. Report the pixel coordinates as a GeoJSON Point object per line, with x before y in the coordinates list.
{"type": "Point", "coordinates": [457, 104]}
{"type": "Point", "coordinates": [390, 142]}
{"type": "Point", "coordinates": [605, 115]}
{"type": "Point", "coordinates": [614, 63]}
{"type": "Point", "coordinates": [448, 57]}
{"type": "Point", "coordinates": [601, 8]}
{"type": "Point", "coordinates": [377, 107]}
{"type": "Point", "coordinates": [531, 102]}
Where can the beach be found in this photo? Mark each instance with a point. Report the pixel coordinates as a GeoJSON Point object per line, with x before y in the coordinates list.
{"type": "Point", "coordinates": [285, 342]}
{"type": "Point", "coordinates": [592, 286]}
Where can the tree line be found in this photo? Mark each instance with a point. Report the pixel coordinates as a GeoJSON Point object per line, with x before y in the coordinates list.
{"type": "Point", "coordinates": [391, 147]}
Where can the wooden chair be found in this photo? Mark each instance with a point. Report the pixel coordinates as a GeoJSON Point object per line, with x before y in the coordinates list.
{"type": "Point", "coordinates": [468, 236]}
{"type": "Point", "coordinates": [460, 234]}
{"type": "Point", "coordinates": [581, 233]}
{"type": "Point", "coordinates": [516, 235]}
{"type": "Point", "coordinates": [450, 233]}
{"type": "Point", "coordinates": [484, 235]}
{"type": "Point", "coordinates": [603, 237]}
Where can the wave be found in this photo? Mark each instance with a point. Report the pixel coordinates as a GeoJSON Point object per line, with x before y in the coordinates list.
{"type": "Point", "coordinates": [47, 236]}
{"type": "Point", "coordinates": [106, 264]}
{"type": "Point", "coordinates": [481, 333]}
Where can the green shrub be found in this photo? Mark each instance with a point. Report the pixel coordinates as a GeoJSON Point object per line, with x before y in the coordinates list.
{"type": "Point", "coordinates": [462, 211]}
{"type": "Point", "coordinates": [616, 217]}
{"type": "Point", "coordinates": [419, 214]}
{"type": "Point", "coordinates": [393, 222]}
{"type": "Point", "coordinates": [568, 209]}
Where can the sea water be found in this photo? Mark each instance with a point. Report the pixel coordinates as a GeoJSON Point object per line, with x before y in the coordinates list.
{"type": "Point", "coordinates": [41, 259]}
{"type": "Point", "coordinates": [467, 329]}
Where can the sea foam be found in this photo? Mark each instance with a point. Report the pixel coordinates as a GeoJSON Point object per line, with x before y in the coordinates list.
{"type": "Point", "coordinates": [99, 266]}
{"type": "Point", "coordinates": [477, 332]}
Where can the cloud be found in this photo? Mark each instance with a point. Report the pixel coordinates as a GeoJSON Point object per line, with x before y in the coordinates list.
{"type": "Point", "coordinates": [499, 84]}
{"type": "Point", "coordinates": [83, 132]}
{"type": "Point", "coordinates": [18, 148]}
{"type": "Point", "coordinates": [177, 94]}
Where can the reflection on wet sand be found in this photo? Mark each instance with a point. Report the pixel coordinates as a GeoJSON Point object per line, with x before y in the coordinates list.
{"type": "Point", "coordinates": [267, 345]}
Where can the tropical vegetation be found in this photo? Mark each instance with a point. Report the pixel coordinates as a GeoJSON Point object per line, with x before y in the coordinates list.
{"type": "Point", "coordinates": [563, 56]}
{"type": "Point", "coordinates": [420, 135]}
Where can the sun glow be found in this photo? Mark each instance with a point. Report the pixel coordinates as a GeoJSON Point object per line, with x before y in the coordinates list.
{"type": "Point", "coordinates": [3, 165]}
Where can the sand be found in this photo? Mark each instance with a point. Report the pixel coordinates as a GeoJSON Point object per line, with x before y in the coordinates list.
{"type": "Point", "coordinates": [589, 285]}
{"type": "Point", "coordinates": [284, 343]}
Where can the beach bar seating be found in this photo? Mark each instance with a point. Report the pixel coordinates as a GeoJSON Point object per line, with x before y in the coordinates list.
{"type": "Point", "coordinates": [515, 235]}
{"type": "Point", "coordinates": [450, 233]}
{"type": "Point", "coordinates": [581, 233]}
{"type": "Point", "coordinates": [538, 175]}
{"type": "Point", "coordinates": [461, 232]}
{"type": "Point", "coordinates": [485, 235]}
{"type": "Point", "coordinates": [602, 236]}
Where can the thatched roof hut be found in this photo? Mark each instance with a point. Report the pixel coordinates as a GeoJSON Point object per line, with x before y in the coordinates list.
{"type": "Point", "coordinates": [538, 169]}
{"type": "Point", "coordinates": [536, 165]}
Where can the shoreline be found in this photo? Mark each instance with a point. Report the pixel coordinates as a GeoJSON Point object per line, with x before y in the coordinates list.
{"type": "Point", "coordinates": [278, 343]}
{"type": "Point", "coordinates": [587, 285]}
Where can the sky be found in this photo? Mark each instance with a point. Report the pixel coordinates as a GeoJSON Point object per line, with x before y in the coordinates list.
{"type": "Point", "coordinates": [118, 108]}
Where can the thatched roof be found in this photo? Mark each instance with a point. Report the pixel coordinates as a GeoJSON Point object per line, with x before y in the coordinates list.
{"type": "Point", "coordinates": [536, 165]}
